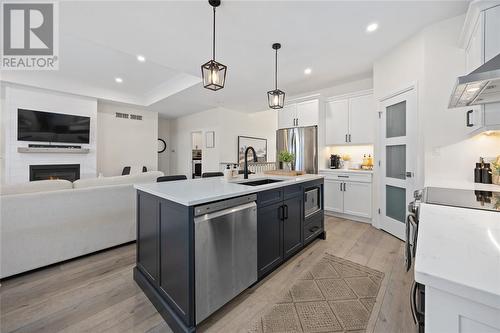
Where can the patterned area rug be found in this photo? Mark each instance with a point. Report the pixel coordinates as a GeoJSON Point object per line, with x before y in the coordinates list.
{"type": "Point", "coordinates": [336, 295]}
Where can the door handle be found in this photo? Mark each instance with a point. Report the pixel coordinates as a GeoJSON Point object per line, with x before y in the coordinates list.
{"type": "Point", "coordinates": [468, 118]}
{"type": "Point", "coordinates": [413, 301]}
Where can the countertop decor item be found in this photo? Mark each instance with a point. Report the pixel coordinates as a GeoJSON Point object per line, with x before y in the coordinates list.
{"type": "Point", "coordinates": [259, 144]}
{"type": "Point", "coordinates": [284, 173]}
{"type": "Point", "coordinates": [495, 168]}
{"type": "Point", "coordinates": [286, 158]}
{"type": "Point", "coordinates": [276, 97]}
{"type": "Point", "coordinates": [213, 72]}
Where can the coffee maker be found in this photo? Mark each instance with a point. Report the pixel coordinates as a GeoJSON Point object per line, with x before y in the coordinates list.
{"type": "Point", "coordinates": [335, 162]}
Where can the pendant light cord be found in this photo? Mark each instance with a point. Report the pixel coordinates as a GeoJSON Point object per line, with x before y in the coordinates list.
{"type": "Point", "coordinates": [276, 71]}
{"type": "Point", "coordinates": [213, 46]}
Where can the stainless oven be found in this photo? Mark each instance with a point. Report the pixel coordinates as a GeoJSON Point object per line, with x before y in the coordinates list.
{"type": "Point", "coordinates": [417, 295]}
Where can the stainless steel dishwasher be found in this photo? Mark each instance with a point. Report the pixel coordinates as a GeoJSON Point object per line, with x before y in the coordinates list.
{"type": "Point", "coordinates": [225, 252]}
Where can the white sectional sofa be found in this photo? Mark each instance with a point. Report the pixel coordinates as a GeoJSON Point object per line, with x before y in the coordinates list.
{"type": "Point", "coordinates": [46, 222]}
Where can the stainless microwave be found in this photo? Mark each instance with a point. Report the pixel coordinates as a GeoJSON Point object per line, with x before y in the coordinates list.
{"type": "Point", "coordinates": [312, 201]}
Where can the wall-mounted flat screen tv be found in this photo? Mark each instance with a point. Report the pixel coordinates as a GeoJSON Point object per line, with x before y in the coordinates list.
{"type": "Point", "coordinates": [52, 127]}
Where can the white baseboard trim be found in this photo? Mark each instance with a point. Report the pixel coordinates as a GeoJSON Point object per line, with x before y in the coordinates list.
{"type": "Point", "coordinates": [349, 217]}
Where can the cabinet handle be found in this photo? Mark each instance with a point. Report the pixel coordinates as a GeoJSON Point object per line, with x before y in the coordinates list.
{"type": "Point", "coordinates": [344, 187]}
{"type": "Point", "coordinates": [349, 137]}
{"type": "Point", "coordinates": [282, 212]}
{"type": "Point", "coordinates": [468, 118]}
{"type": "Point", "coordinates": [340, 186]}
{"type": "Point", "coordinates": [342, 176]}
{"type": "Point", "coordinates": [286, 212]}
{"type": "Point", "coordinates": [346, 138]}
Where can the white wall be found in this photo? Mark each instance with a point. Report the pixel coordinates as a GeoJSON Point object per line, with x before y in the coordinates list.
{"type": "Point", "coordinates": [16, 165]}
{"type": "Point", "coordinates": [126, 142]}
{"type": "Point", "coordinates": [164, 133]}
{"type": "Point", "coordinates": [227, 125]}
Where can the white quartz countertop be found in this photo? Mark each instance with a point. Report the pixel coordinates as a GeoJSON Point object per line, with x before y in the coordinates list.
{"type": "Point", "coordinates": [347, 171]}
{"type": "Point", "coordinates": [202, 190]}
{"type": "Point", "coordinates": [458, 251]}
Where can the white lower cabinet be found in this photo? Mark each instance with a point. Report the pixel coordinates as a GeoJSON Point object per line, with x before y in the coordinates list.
{"type": "Point", "coordinates": [449, 313]}
{"type": "Point", "coordinates": [334, 196]}
{"type": "Point", "coordinates": [358, 199]}
{"type": "Point", "coordinates": [348, 193]}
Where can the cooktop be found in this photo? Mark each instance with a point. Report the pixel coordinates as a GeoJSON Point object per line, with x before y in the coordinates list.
{"type": "Point", "coordinates": [483, 200]}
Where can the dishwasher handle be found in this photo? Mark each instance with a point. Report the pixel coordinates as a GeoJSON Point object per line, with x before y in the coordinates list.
{"type": "Point", "coordinates": [227, 211]}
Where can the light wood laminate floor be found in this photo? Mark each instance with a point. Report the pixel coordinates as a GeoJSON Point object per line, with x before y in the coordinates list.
{"type": "Point", "coordinates": [97, 293]}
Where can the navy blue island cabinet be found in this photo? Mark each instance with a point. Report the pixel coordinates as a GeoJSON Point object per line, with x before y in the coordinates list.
{"type": "Point", "coordinates": [288, 219]}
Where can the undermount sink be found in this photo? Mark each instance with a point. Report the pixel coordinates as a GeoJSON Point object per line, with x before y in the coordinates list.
{"type": "Point", "coordinates": [261, 182]}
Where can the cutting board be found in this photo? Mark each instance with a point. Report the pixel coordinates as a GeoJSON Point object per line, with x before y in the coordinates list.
{"type": "Point", "coordinates": [284, 173]}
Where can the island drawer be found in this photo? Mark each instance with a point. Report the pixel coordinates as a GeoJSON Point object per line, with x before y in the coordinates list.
{"type": "Point", "coordinates": [293, 191]}
{"type": "Point", "coordinates": [269, 197]}
{"type": "Point", "coordinates": [313, 226]}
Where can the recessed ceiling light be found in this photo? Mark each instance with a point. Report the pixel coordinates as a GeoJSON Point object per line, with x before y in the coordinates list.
{"type": "Point", "coordinates": [372, 27]}
{"type": "Point", "coordinates": [118, 80]}
{"type": "Point", "coordinates": [473, 89]}
{"type": "Point", "coordinates": [141, 58]}
{"type": "Point", "coordinates": [307, 71]}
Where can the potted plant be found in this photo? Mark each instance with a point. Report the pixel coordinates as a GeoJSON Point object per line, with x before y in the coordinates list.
{"type": "Point", "coordinates": [286, 159]}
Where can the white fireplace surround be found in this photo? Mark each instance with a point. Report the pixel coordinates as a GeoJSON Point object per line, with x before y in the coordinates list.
{"type": "Point", "coordinates": [16, 164]}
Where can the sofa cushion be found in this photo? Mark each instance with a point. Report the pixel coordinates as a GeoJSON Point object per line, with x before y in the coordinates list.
{"type": "Point", "coordinates": [36, 186]}
{"type": "Point", "coordinates": [145, 177]}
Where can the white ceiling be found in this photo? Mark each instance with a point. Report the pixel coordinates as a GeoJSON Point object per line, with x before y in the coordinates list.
{"type": "Point", "coordinates": [100, 40]}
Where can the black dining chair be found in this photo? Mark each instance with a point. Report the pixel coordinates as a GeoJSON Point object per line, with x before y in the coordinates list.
{"type": "Point", "coordinates": [170, 178]}
{"type": "Point", "coordinates": [144, 169]}
{"type": "Point", "coordinates": [211, 174]}
{"type": "Point", "coordinates": [126, 171]}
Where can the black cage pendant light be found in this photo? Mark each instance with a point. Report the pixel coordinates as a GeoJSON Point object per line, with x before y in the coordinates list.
{"type": "Point", "coordinates": [276, 97]}
{"type": "Point", "coordinates": [213, 72]}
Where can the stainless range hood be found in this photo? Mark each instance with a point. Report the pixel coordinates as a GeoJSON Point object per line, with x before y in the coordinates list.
{"type": "Point", "coordinates": [481, 86]}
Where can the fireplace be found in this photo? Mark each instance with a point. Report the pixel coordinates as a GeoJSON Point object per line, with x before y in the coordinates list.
{"type": "Point", "coordinates": [69, 172]}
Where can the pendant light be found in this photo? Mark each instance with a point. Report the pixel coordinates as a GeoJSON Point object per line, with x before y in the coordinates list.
{"type": "Point", "coordinates": [276, 97]}
{"type": "Point", "coordinates": [213, 72]}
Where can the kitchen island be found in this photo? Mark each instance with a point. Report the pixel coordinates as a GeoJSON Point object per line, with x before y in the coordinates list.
{"type": "Point", "coordinates": [201, 242]}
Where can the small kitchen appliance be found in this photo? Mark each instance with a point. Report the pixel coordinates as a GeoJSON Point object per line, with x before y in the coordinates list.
{"type": "Point", "coordinates": [335, 162]}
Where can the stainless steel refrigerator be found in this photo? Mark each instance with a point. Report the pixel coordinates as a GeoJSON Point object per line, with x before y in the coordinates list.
{"type": "Point", "coordinates": [303, 143]}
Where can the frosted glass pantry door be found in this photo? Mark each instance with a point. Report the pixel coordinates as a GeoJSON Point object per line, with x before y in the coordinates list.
{"type": "Point", "coordinates": [398, 124]}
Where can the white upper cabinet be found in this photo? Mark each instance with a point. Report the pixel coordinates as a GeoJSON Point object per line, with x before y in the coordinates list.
{"type": "Point", "coordinates": [337, 122]}
{"type": "Point", "coordinates": [481, 41]}
{"type": "Point", "coordinates": [307, 113]}
{"type": "Point", "coordinates": [474, 48]}
{"type": "Point", "coordinates": [491, 32]}
{"type": "Point", "coordinates": [300, 114]}
{"type": "Point", "coordinates": [287, 116]}
{"type": "Point", "coordinates": [350, 120]}
{"type": "Point", "coordinates": [361, 115]}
